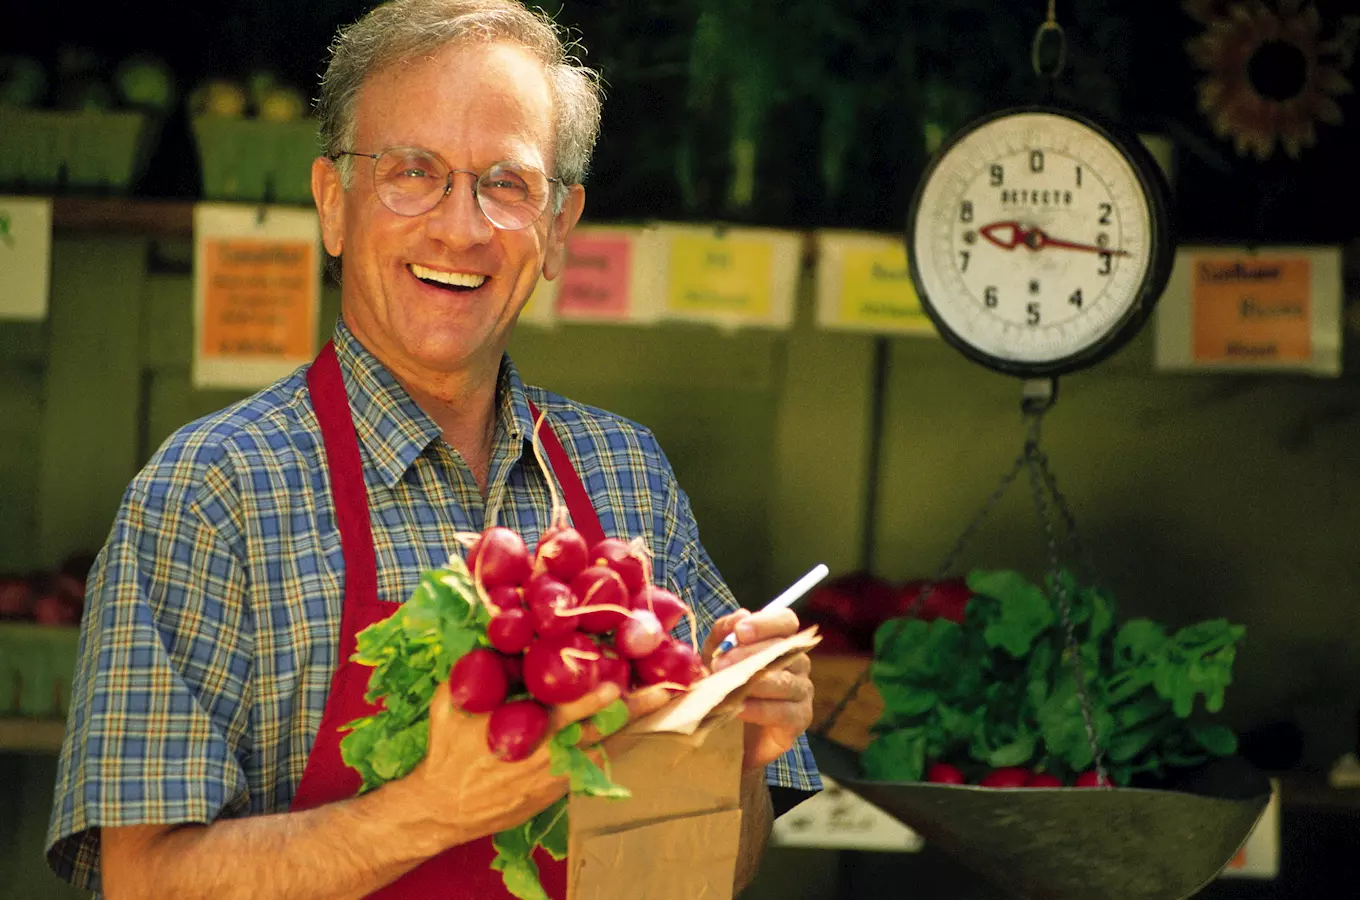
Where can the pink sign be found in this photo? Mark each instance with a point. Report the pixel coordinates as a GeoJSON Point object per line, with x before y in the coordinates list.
{"type": "Point", "coordinates": [595, 279]}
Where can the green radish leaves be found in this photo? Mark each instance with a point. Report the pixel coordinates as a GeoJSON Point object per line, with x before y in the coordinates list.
{"type": "Point", "coordinates": [585, 777]}
{"type": "Point", "coordinates": [514, 860]}
{"type": "Point", "coordinates": [611, 718]}
{"type": "Point", "coordinates": [515, 847]}
{"type": "Point", "coordinates": [411, 652]}
{"type": "Point", "coordinates": [999, 690]}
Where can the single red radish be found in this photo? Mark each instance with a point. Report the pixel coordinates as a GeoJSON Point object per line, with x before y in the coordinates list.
{"type": "Point", "coordinates": [672, 662]}
{"type": "Point", "coordinates": [547, 599]}
{"type": "Point", "coordinates": [502, 558]}
{"type": "Point", "coordinates": [1008, 777]}
{"type": "Point", "coordinates": [477, 683]}
{"type": "Point", "coordinates": [601, 586]}
{"type": "Point", "coordinates": [562, 553]}
{"type": "Point", "coordinates": [617, 555]}
{"type": "Point", "coordinates": [514, 669]}
{"type": "Point", "coordinates": [1091, 778]}
{"type": "Point", "coordinates": [612, 668]}
{"type": "Point", "coordinates": [1043, 780]}
{"type": "Point", "coordinates": [667, 607]}
{"type": "Point", "coordinates": [560, 668]}
{"type": "Point", "coordinates": [944, 773]}
{"type": "Point", "coordinates": [511, 630]}
{"type": "Point", "coordinates": [639, 635]}
{"type": "Point", "coordinates": [503, 596]}
{"type": "Point", "coordinates": [515, 729]}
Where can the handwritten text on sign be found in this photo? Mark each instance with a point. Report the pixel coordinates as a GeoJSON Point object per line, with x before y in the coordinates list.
{"type": "Point", "coordinates": [257, 297]}
{"type": "Point", "coordinates": [596, 277]}
{"type": "Point", "coordinates": [877, 290]}
{"type": "Point", "coordinates": [1248, 308]}
{"type": "Point", "coordinates": [709, 275]}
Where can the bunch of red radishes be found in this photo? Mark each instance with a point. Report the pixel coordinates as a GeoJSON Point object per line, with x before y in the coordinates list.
{"type": "Point", "coordinates": [564, 619]}
{"type": "Point", "coordinates": [1012, 777]}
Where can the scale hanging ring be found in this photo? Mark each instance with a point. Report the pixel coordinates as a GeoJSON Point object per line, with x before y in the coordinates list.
{"type": "Point", "coordinates": [1036, 49]}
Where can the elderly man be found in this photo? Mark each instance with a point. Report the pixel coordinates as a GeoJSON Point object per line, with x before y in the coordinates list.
{"type": "Point", "coordinates": [201, 757]}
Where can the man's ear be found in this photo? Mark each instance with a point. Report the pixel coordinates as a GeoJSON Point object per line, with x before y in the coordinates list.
{"type": "Point", "coordinates": [556, 256]}
{"type": "Point", "coordinates": [329, 195]}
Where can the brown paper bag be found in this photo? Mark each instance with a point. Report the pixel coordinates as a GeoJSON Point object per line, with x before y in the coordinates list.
{"type": "Point", "coordinates": [677, 837]}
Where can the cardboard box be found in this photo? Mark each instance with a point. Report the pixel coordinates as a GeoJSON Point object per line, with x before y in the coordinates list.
{"type": "Point", "coordinates": [678, 836]}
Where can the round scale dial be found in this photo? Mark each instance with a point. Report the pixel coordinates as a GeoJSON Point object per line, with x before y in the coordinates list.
{"type": "Point", "coordinates": [1038, 241]}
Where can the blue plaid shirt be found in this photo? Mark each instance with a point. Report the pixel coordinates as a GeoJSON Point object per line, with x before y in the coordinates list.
{"type": "Point", "coordinates": [213, 617]}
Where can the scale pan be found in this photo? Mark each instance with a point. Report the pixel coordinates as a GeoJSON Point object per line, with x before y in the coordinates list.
{"type": "Point", "coordinates": [1121, 843]}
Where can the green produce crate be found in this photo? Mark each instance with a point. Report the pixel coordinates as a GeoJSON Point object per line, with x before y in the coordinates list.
{"type": "Point", "coordinates": [53, 151]}
{"type": "Point", "coordinates": [36, 666]}
{"type": "Point", "coordinates": [252, 160]}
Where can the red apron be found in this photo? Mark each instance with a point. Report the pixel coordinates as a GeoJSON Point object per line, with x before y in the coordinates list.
{"type": "Point", "coordinates": [459, 873]}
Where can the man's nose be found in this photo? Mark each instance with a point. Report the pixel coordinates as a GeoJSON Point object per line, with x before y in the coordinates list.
{"type": "Point", "coordinates": [457, 219]}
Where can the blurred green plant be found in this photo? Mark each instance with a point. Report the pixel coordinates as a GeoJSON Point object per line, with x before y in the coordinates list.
{"type": "Point", "coordinates": [808, 113]}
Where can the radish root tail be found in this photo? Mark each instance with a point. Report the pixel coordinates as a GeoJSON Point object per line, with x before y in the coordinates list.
{"type": "Point", "coordinates": [559, 511]}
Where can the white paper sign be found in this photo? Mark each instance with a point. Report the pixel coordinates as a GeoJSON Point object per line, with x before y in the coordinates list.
{"type": "Point", "coordinates": [25, 257]}
{"type": "Point", "coordinates": [1260, 855]}
{"type": "Point", "coordinates": [731, 277]}
{"type": "Point", "coordinates": [864, 284]}
{"type": "Point", "coordinates": [257, 293]}
{"type": "Point", "coordinates": [840, 820]}
{"type": "Point", "coordinates": [613, 275]}
{"type": "Point", "coordinates": [1257, 309]}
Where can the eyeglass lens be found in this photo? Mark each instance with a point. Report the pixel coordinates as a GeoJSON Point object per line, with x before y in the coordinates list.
{"type": "Point", "coordinates": [412, 181]}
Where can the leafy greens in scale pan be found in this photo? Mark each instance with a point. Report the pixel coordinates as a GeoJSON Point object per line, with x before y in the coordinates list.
{"type": "Point", "coordinates": [997, 695]}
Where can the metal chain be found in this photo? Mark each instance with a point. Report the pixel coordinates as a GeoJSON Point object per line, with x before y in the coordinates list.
{"type": "Point", "coordinates": [1037, 466]}
{"type": "Point", "coordinates": [1076, 549]}
{"type": "Point", "coordinates": [1042, 479]}
{"type": "Point", "coordinates": [944, 569]}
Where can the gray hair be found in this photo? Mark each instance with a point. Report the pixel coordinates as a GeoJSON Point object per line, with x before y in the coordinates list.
{"type": "Point", "coordinates": [401, 29]}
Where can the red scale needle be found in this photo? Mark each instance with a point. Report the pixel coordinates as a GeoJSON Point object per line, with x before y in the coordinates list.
{"type": "Point", "coordinates": [1009, 235]}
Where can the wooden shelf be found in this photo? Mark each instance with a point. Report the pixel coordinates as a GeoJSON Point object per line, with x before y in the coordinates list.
{"type": "Point", "coordinates": [127, 215]}
{"type": "Point", "coordinates": [165, 218]}
{"type": "Point", "coordinates": [19, 735]}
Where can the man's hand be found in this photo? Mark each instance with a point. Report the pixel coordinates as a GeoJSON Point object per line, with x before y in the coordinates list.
{"type": "Point", "coordinates": [467, 789]}
{"type": "Point", "coordinates": [779, 707]}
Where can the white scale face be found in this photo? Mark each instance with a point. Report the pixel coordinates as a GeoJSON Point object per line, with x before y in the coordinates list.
{"type": "Point", "coordinates": [1033, 238]}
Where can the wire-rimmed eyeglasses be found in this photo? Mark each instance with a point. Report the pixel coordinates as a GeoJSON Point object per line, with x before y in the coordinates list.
{"type": "Point", "coordinates": [411, 181]}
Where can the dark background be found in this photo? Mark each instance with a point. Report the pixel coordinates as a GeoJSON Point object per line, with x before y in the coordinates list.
{"type": "Point", "coordinates": [855, 75]}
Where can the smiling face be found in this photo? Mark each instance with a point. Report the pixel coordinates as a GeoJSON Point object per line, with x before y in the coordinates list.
{"type": "Point", "coordinates": [436, 295]}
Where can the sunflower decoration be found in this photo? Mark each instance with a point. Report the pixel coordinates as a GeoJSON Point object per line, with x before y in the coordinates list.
{"type": "Point", "coordinates": [1270, 74]}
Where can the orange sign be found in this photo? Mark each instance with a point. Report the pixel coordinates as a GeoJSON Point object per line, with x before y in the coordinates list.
{"type": "Point", "coordinates": [1251, 308]}
{"type": "Point", "coordinates": [258, 297]}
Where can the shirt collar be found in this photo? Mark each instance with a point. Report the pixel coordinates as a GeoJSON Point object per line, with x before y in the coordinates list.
{"type": "Point", "coordinates": [392, 429]}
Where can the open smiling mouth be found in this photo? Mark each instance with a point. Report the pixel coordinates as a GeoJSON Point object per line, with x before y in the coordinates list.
{"type": "Point", "coordinates": [449, 281]}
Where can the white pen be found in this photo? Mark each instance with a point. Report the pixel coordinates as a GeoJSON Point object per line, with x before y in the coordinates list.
{"type": "Point", "coordinates": [784, 600]}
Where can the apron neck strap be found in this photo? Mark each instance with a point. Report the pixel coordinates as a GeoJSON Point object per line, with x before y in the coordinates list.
{"type": "Point", "coordinates": [583, 516]}
{"type": "Point", "coordinates": [350, 495]}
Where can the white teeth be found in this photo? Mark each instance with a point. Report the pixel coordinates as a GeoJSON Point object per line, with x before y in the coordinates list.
{"type": "Point", "coordinates": [457, 279]}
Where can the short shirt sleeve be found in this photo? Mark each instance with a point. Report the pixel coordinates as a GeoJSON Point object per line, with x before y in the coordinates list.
{"type": "Point", "coordinates": [696, 580]}
{"type": "Point", "coordinates": [157, 725]}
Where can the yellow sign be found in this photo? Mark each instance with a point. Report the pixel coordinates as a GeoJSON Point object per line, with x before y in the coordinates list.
{"type": "Point", "coordinates": [877, 292]}
{"type": "Point", "coordinates": [1251, 308]}
{"type": "Point", "coordinates": [729, 277]}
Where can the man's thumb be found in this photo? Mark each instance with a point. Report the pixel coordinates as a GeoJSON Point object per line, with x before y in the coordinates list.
{"type": "Point", "coordinates": [440, 705]}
